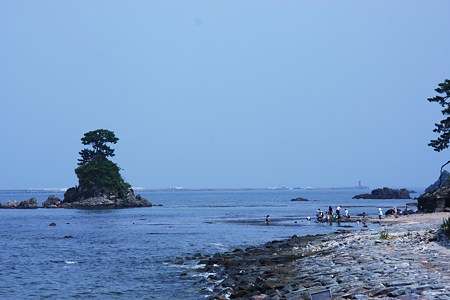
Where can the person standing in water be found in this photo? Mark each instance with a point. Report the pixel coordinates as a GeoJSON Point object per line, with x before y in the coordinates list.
{"type": "Point", "coordinates": [267, 220]}
{"type": "Point", "coordinates": [319, 214]}
{"type": "Point", "coordinates": [380, 213]}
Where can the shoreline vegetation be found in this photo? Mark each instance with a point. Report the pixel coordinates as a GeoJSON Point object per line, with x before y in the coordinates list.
{"type": "Point", "coordinates": [405, 257]}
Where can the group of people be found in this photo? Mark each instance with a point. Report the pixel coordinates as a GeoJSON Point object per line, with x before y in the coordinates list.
{"type": "Point", "coordinates": [331, 215]}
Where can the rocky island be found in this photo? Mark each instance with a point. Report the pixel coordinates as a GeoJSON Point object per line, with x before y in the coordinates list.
{"type": "Point", "coordinates": [100, 184]}
{"type": "Point", "coordinates": [385, 193]}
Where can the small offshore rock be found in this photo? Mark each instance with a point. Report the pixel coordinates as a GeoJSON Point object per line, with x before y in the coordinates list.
{"type": "Point", "coordinates": [385, 193]}
{"type": "Point", "coordinates": [26, 204]}
{"type": "Point", "coordinates": [52, 224]}
{"type": "Point", "coordinates": [52, 202]}
{"type": "Point", "coordinates": [299, 199]}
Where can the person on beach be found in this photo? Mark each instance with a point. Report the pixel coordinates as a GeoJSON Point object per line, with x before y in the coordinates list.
{"type": "Point", "coordinates": [380, 213]}
{"type": "Point", "coordinates": [319, 214]}
{"type": "Point", "coordinates": [347, 215]}
{"type": "Point", "coordinates": [338, 212]}
{"type": "Point", "coordinates": [267, 220]}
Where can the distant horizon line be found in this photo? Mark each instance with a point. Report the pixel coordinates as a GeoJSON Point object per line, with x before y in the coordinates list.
{"type": "Point", "coordinates": [142, 189]}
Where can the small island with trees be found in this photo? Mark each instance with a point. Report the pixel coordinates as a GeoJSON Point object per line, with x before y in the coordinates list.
{"type": "Point", "coordinates": [100, 184]}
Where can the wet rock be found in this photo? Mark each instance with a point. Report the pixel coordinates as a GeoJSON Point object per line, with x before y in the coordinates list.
{"type": "Point", "coordinates": [52, 202]}
{"type": "Point", "coordinates": [26, 204]}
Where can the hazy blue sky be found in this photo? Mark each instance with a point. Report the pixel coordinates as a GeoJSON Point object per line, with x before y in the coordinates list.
{"type": "Point", "coordinates": [224, 93]}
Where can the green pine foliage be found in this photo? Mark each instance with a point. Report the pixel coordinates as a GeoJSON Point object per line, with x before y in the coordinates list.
{"type": "Point", "coordinates": [443, 127]}
{"type": "Point", "coordinates": [102, 174]}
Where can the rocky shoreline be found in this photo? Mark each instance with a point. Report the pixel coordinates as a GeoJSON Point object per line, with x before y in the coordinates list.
{"type": "Point", "coordinates": [401, 259]}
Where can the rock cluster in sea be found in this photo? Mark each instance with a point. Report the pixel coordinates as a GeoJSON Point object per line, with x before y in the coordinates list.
{"type": "Point", "coordinates": [385, 193]}
{"type": "Point", "coordinates": [300, 199]}
{"type": "Point", "coordinates": [52, 202]}
{"type": "Point", "coordinates": [401, 261]}
{"type": "Point", "coordinates": [102, 201]}
{"type": "Point", "coordinates": [30, 203]}
{"type": "Point", "coordinates": [108, 200]}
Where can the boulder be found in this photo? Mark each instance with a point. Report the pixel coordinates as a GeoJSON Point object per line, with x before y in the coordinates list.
{"type": "Point", "coordinates": [52, 202]}
{"type": "Point", "coordinates": [10, 204]}
{"type": "Point", "coordinates": [437, 196]}
{"type": "Point", "coordinates": [30, 203]}
{"type": "Point", "coordinates": [393, 212]}
{"type": "Point", "coordinates": [435, 201]}
{"type": "Point", "coordinates": [26, 204]}
{"type": "Point", "coordinates": [385, 193]}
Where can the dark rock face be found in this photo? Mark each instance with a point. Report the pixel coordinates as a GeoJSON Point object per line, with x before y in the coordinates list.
{"type": "Point", "coordinates": [52, 202]}
{"type": "Point", "coordinates": [299, 199]}
{"type": "Point", "coordinates": [435, 201]}
{"type": "Point", "coordinates": [437, 196]}
{"type": "Point", "coordinates": [104, 200]}
{"type": "Point", "coordinates": [30, 203]}
{"type": "Point", "coordinates": [385, 193]}
{"type": "Point", "coordinates": [443, 180]}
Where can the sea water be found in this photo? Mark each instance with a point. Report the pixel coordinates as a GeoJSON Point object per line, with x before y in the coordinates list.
{"type": "Point", "coordinates": [129, 253]}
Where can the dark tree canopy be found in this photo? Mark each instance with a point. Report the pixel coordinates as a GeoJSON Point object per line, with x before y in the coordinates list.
{"type": "Point", "coordinates": [443, 127]}
{"type": "Point", "coordinates": [98, 140]}
{"type": "Point", "coordinates": [101, 175]}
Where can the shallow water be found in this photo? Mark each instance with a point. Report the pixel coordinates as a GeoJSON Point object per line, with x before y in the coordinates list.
{"type": "Point", "coordinates": [127, 253]}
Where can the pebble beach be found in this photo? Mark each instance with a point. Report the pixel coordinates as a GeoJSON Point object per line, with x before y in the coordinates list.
{"type": "Point", "coordinates": [401, 258]}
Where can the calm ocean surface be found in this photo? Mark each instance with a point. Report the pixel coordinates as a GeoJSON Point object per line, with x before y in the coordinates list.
{"type": "Point", "coordinates": [126, 253]}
